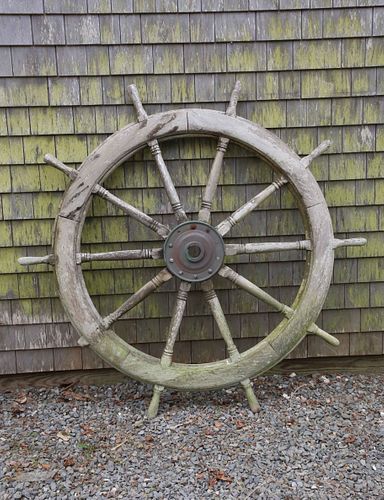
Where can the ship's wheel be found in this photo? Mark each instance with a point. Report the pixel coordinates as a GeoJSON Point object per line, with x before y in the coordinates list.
{"type": "Point", "coordinates": [193, 251]}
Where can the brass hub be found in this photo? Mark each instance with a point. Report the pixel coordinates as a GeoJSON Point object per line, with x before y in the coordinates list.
{"type": "Point", "coordinates": [194, 251]}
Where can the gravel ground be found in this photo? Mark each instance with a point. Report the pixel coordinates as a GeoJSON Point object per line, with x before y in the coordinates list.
{"type": "Point", "coordinates": [316, 437]}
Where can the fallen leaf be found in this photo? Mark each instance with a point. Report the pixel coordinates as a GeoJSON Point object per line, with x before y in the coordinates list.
{"type": "Point", "coordinates": [68, 462]}
{"type": "Point", "coordinates": [45, 466]}
{"type": "Point", "coordinates": [86, 429]}
{"type": "Point", "coordinates": [212, 481]}
{"type": "Point", "coordinates": [349, 439]}
{"type": "Point", "coordinates": [63, 436]}
{"type": "Point", "coordinates": [218, 475]}
{"type": "Point", "coordinates": [15, 465]}
{"type": "Point", "coordinates": [75, 395]}
{"type": "Point", "coordinates": [21, 399]}
{"type": "Point", "coordinates": [16, 408]}
{"type": "Point", "coordinates": [221, 476]}
{"type": "Point", "coordinates": [148, 438]}
{"type": "Point", "coordinates": [240, 424]}
{"type": "Point", "coordinates": [218, 424]}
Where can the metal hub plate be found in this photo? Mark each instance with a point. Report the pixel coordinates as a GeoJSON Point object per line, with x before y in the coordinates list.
{"type": "Point", "coordinates": [194, 251]}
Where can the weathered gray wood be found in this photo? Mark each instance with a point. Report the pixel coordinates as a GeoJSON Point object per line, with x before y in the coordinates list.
{"type": "Point", "coordinates": [31, 261]}
{"type": "Point", "coordinates": [225, 226]}
{"type": "Point", "coordinates": [146, 253]}
{"type": "Point", "coordinates": [241, 248]}
{"type": "Point", "coordinates": [162, 277]}
{"type": "Point", "coordinates": [166, 357]}
{"type": "Point", "coordinates": [134, 212]}
{"type": "Point", "coordinates": [177, 316]}
{"type": "Point", "coordinates": [156, 153]}
{"type": "Point", "coordinates": [218, 314]}
{"type": "Point", "coordinates": [257, 292]}
{"type": "Point", "coordinates": [214, 174]}
{"type": "Point", "coordinates": [349, 242]}
{"type": "Point", "coordinates": [157, 253]}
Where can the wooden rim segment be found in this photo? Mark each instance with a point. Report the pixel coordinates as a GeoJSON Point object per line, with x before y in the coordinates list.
{"type": "Point", "coordinates": [79, 306]}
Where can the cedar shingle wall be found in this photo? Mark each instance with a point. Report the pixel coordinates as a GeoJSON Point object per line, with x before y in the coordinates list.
{"type": "Point", "coordinates": [310, 70]}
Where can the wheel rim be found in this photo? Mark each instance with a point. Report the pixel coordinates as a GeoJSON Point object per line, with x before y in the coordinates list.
{"type": "Point", "coordinates": [88, 321]}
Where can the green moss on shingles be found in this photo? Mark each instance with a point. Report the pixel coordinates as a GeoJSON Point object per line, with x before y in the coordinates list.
{"type": "Point", "coordinates": [46, 205]}
{"type": "Point", "coordinates": [11, 150]}
{"type": "Point", "coordinates": [17, 206]}
{"type": "Point", "coordinates": [18, 121]}
{"type": "Point", "coordinates": [5, 179]}
{"type": "Point", "coordinates": [71, 148]}
{"type": "Point", "coordinates": [25, 178]}
{"type": "Point", "coordinates": [357, 295]}
{"type": "Point", "coordinates": [115, 229]}
{"type": "Point", "coordinates": [35, 147]}
{"type": "Point", "coordinates": [8, 286]}
{"type": "Point", "coordinates": [32, 232]}
{"type": "Point", "coordinates": [340, 193]}
{"type": "Point", "coordinates": [92, 231]}
{"type": "Point", "coordinates": [5, 234]}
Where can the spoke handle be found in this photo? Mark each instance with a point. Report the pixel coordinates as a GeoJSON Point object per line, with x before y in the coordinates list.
{"type": "Point", "coordinates": [135, 98]}
{"type": "Point", "coordinates": [323, 146]}
{"type": "Point", "coordinates": [54, 162]}
{"type": "Point", "coordinates": [349, 242]}
{"type": "Point", "coordinates": [31, 261]}
{"type": "Point", "coordinates": [231, 110]}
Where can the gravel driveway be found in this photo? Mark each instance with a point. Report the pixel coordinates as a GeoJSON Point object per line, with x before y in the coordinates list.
{"type": "Point", "coordinates": [318, 437]}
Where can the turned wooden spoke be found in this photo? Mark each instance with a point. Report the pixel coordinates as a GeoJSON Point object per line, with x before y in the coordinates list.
{"type": "Point", "coordinates": [130, 210]}
{"type": "Point", "coordinates": [217, 312]}
{"type": "Point", "coordinates": [174, 326]}
{"type": "Point", "coordinates": [222, 324]}
{"type": "Point", "coordinates": [137, 297]}
{"type": "Point", "coordinates": [248, 207]}
{"type": "Point", "coordinates": [214, 174]}
{"type": "Point", "coordinates": [166, 358]}
{"type": "Point", "coordinates": [257, 292]}
{"type": "Point", "coordinates": [134, 212]}
{"type": "Point", "coordinates": [273, 246]}
{"type": "Point", "coordinates": [169, 186]}
{"type": "Point", "coordinates": [279, 246]}
{"type": "Point", "coordinates": [254, 290]}
{"type": "Point", "coordinates": [145, 253]}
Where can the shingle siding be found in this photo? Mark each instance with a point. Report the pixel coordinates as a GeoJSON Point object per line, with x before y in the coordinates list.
{"type": "Point", "coordinates": [310, 70]}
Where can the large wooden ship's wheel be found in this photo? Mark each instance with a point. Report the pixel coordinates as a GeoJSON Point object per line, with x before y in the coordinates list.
{"type": "Point", "coordinates": [194, 251]}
